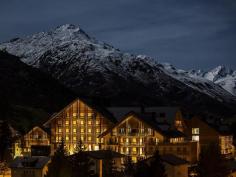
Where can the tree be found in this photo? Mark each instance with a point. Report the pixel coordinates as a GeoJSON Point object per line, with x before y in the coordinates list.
{"type": "Point", "coordinates": [81, 164]}
{"type": "Point", "coordinates": [157, 168]}
{"type": "Point", "coordinates": [129, 167]}
{"type": "Point", "coordinates": [59, 166]}
{"type": "Point", "coordinates": [142, 169]}
{"type": "Point", "coordinates": [6, 142]}
{"type": "Point", "coordinates": [211, 163]}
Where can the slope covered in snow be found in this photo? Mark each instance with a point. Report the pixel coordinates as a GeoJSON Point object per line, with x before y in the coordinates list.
{"type": "Point", "coordinates": [96, 69]}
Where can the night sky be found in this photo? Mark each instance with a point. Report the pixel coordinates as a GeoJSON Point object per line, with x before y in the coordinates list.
{"type": "Point", "coordinates": [187, 33]}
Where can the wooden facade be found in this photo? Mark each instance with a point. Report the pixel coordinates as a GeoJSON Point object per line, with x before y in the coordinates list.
{"type": "Point", "coordinates": [78, 122]}
{"type": "Point", "coordinates": [35, 137]}
{"type": "Point", "coordinates": [134, 137]}
{"type": "Point", "coordinates": [200, 131]}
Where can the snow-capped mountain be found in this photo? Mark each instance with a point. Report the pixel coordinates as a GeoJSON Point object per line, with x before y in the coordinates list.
{"type": "Point", "coordinates": [96, 69]}
{"type": "Point", "coordinates": [220, 75]}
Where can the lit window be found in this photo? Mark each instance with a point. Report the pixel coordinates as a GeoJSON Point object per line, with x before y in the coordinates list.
{"type": "Point", "coordinates": [134, 149]}
{"type": "Point", "coordinates": [195, 137]}
{"type": "Point", "coordinates": [82, 122]}
{"type": "Point", "coordinates": [82, 138]}
{"type": "Point", "coordinates": [89, 138]}
{"type": "Point", "coordinates": [195, 134]}
{"type": "Point", "coordinates": [134, 159]}
{"type": "Point", "coordinates": [127, 140]}
{"type": "Point", "coordinates": [81, 114]}
{"type": "Point", "coordinates": [74, 138]}
{"type": "Point", "coordinates": [67, 122]}
{"type": "Point", "coordinates": [134, 140]}
{"type": "Point", "coordinates": [195, 131]}
{"type": "Point", "coordinates": [67, 138]}
{"type": "Point", "coordinates": [59, 130]}
{"type": "Point", "coordinates": [74, 114]}
{"type": "Point", "coordinates": [67, 130]}
{"type": "Point", "coordinates": [89, 130]}
{"type": "Point", "coordinates": [82, 130]}
{"type": "Point", "coordinates": [89, 122]}
{"type": "Point", "coordinates": [141, 151]}
{"type": "Point", "coordinates": [149, 131]}
{"type": "Point", "coordinates": [74, 130]}
{"type": "Point", "coordinates": [89, 114]}
{"type": "Point", "coordinates": [98, 130]}
{"type": "Point", "coordinates": [97, 122]}
{"type": "Point", "coordinates": [141, 140]}
{"type": "Point", "coordinates": [74, 122]}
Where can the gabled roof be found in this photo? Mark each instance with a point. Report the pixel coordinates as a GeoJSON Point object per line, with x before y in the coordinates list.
{"type": "Point", "coordinates": [170, 112]}
{"type": "Point", "coordinates": [161, 127]}
{"type": "Point", "coordinates": [99, 109]}
{"type": "Point", "coordinates": [37, 127]}
{"type": "Point", "coordinates": [222, 129]}
{"type": "Point", "coordinates": [30, 162]}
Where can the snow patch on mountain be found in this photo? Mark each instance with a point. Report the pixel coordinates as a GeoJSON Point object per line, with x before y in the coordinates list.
{"type": "Point", "coordinates": [75, 55]}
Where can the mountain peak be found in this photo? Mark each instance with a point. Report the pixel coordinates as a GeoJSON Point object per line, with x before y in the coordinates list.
{"type": "Point", "coordinates": [67, 27]}
{"type": "Point", "coordinates": [216, 73]}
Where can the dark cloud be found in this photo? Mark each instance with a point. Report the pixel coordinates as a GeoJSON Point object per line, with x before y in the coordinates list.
{"type": "Point", "coordinates": [188, 34]}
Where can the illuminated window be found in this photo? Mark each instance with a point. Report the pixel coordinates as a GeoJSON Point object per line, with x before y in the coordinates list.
{"type": "Point", "coordinates": [67, 138]}
{"type": "Point", "coordinates": [127, 140]}
{"type": "Point", "coordinates": [97, 122]}
{"type": "Point", "coordinates": [134, 140]}
{"type": "Point", "coordinates": [74, 122]}
{"type": "Point", "coordinates": [134, 159]}
{"type": "Point", "coordinates": [98, 130]}
{"type": "Point", "coordinates": [59, 138]}
{"type": "Point", "coordinates": [59, 130]}
{"type": "Point", "coordinates": [67, 122]}
{"type": "Point", "coordinates": [141, 151]}
{"type": "Point", "coordinates": [195, 134]}
{"type": "Point", "coordinates": [89, 138]}
{"type": "Point", "coordinates": [122, 130]}
{"type": "Point", "coordinates": [67, 130]}
{"type": "Point", "coordinates": [134, 150]}
{"type": "Point", "coordinates": [89, 122]}
{"type": "Point", "coordinates": [89, 130]}
{"type": "Point", "coordinates": [89, 114]}
{"type": "Point", "coordinates": [81, 114]}
{"type": "Point", "coordinates": [82, 122]}
{"type": "Point", "coordinates": [195, 137]}
{"type": "Point", "coordinates": [74, 114]}
{"type": "Point", "coordinates": [82, 138]}
{"type": "Point", "coordinates": [74, 130]}
{"type": "Point", "coordinates": [149, 131]}
{"type": "Point", "coordinates": [97, 140]}
{"type": "Point", "coordinates": [74, 138]}
{"type": "Point", "coordinates": [82, 130]}
{"type": "Point", "coordinates": [195, 131]}
{"type": "Point", "coordinates": [141, 140]}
